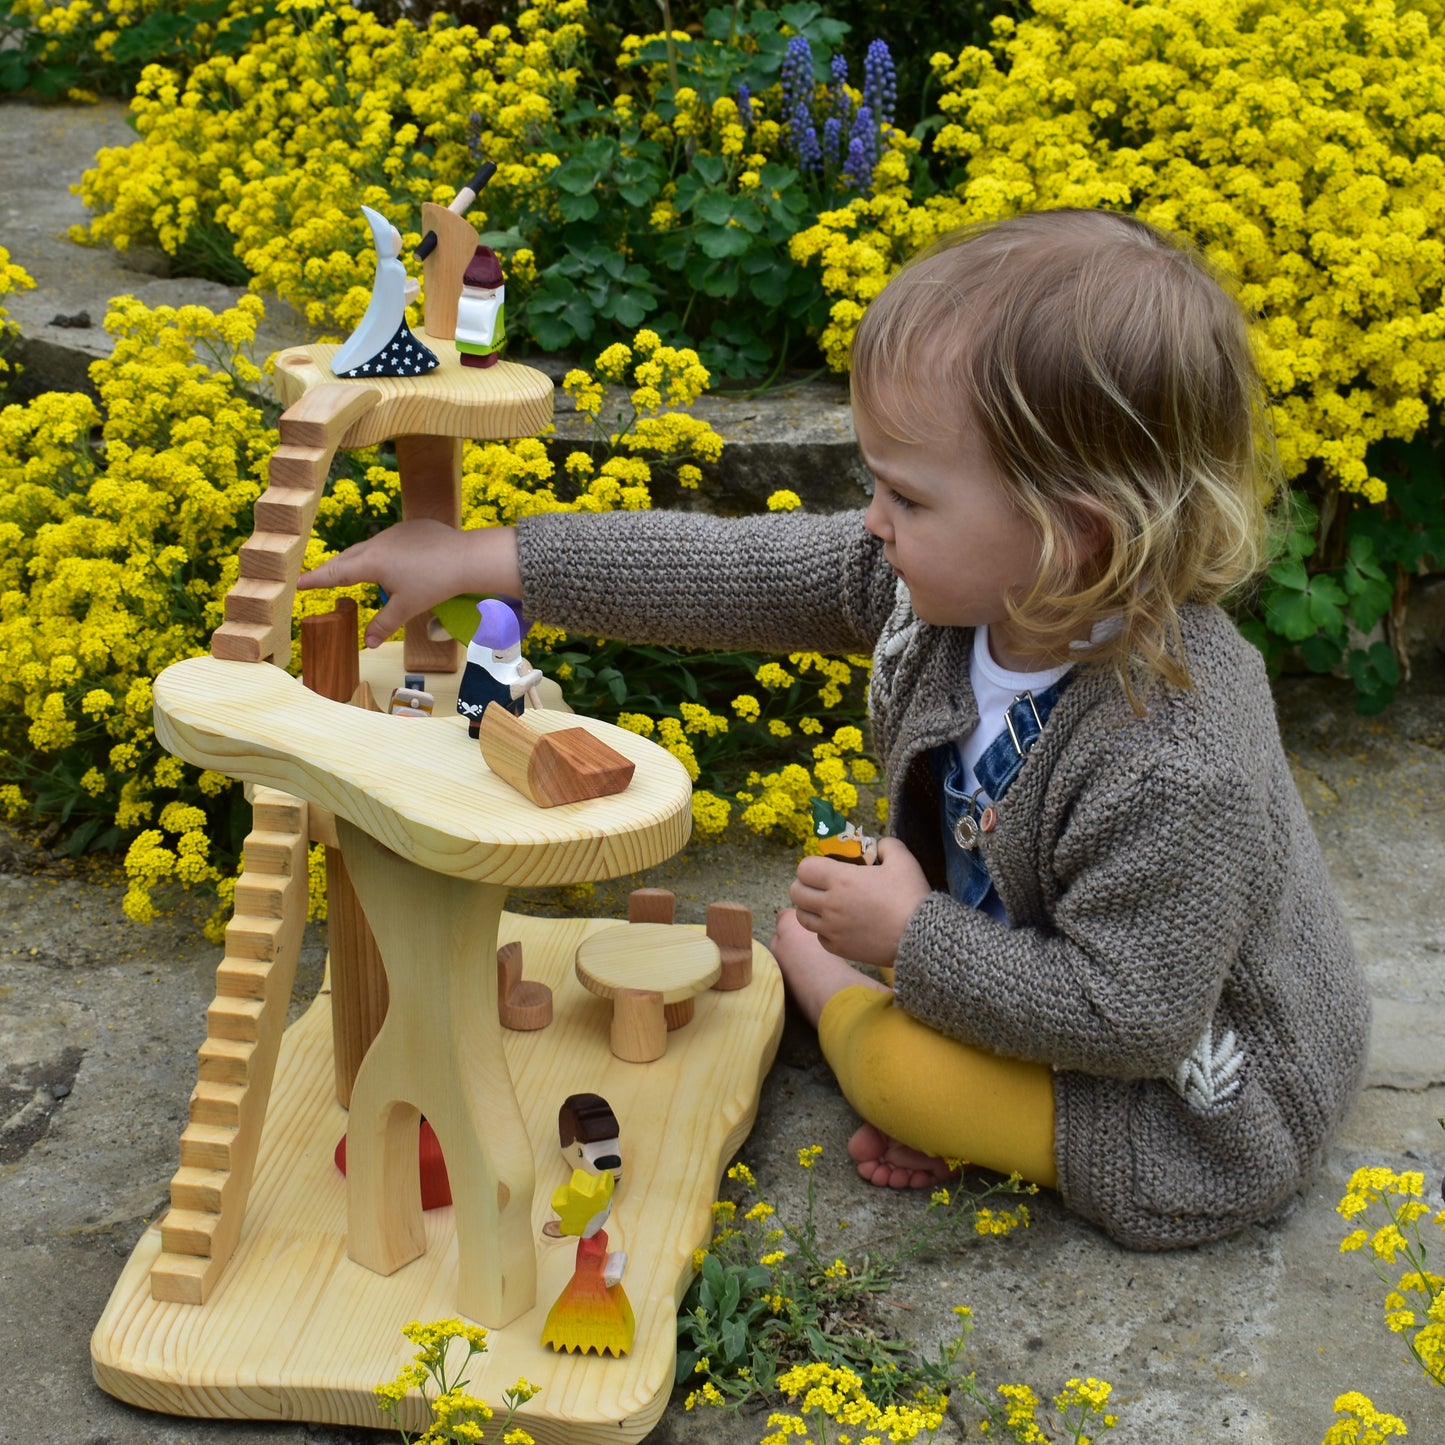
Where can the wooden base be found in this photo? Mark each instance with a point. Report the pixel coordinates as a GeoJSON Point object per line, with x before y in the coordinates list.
{"type": "Point", "coordinates": [296, 1330]}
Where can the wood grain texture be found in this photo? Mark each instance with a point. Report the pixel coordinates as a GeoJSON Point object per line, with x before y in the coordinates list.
{"type": "Point", "coordinates": [521, 1003]}
{"type": "Point", "coordinates": [550, 765]}
{"type": "Point", "coordinates": [257, 626]}
{"type": "Point", "coordinates": [242, 1355]}
{"type": "Point", "coordinates": [430, 469]}
{"type": "Point", "coordinates": [359, 991]}
{"type": "Point", "coordinates": [491, 404]}
{"type": "Point", "coordinates": [674, 961]}
{"type": "Point", "coordinates": [730, 926]}
{"type": "Point", "coordinates": [439, 1054]}
{"type": "Point", "coordinates": [419, 786]}
{"type": "Point", "coordinates": [219, 1145]}
{"type": "Point", "coordinates": [443, 269]}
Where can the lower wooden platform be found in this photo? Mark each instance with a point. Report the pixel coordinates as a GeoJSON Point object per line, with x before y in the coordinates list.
{"type": "Point", "coordinates": [296, 1331]}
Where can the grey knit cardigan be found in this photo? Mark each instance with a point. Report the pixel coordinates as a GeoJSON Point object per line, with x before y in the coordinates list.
{"type": "Point", "coordinates": [1177, 954]}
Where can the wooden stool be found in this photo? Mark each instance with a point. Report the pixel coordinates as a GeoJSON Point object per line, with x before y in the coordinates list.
{"type": "Point", "coordinates": [651, 972]}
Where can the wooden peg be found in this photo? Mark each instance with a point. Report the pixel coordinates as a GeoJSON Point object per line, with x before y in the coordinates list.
{"type": "Point", "coordinates": [651, 905]}
{"type": "Point", "coordinates": [730, 926]}
{"type": "Point", "coordinates": [330, 658]}
{"type": "Point", "coordinates": [521, 1005]}
{"type": "Point", "coordinates": [639, 1030]}
{"type": "Point", "coordinates": [565, 765]}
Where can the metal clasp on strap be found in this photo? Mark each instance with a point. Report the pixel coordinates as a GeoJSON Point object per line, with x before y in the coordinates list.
{"type": "Point", "coordinates": [1020, 748]}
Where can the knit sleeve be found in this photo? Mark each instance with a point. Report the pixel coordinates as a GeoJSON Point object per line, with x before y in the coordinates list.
{"type": "Point", "coordinates": [1156, 878]}
{"type": "Point", "coordinates": [777, 583]}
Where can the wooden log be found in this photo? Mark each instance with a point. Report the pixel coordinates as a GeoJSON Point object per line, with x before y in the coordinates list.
{"type": "Point", "coordinates": [561, 765]}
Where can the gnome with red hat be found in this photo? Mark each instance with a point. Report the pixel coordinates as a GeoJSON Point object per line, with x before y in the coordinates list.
{"type": "Point", "coordinates": [481, 320]}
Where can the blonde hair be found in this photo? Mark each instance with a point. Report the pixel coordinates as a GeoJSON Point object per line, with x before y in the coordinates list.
{"type": "Point", "coordinates": [1111, 375]}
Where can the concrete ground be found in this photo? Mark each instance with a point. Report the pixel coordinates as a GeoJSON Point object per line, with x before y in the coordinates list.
{"type": "Point", "coordinates": [1245, 1340]}
{"type": "Point", "coordinates": [1248, 1340]}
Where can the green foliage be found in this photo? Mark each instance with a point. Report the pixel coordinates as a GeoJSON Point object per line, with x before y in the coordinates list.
{"type": "Point", "coordinates": [771, 1294]}
{"type": "Point", "coordinates": [1327, 609]}
{"type": "Point", "coordinates": [700, 205]}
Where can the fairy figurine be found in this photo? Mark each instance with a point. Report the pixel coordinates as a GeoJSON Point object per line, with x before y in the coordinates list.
{"type": "Point", "coordinates": [383, 344]}
{"type": "Point", "coordinates": [593, 1312]}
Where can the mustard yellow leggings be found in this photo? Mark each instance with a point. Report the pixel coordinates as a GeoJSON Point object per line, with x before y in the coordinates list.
{"type": "Point", "coordinates": [937, 1094]}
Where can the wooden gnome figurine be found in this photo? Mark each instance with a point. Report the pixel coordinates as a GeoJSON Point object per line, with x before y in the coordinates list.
{"type": "Point", "coordinates": [481, 312]}
{"type": "Point", "coordinates": [383, 344]}
{"type": "Point", "coordinates": [588, 1134]}
{"type": "Point", "coordinates": [495, 671]}
{"type": "Point", "coordinates": [838, 838]}
{"type": "Point", "coordinates": [593, 1312]}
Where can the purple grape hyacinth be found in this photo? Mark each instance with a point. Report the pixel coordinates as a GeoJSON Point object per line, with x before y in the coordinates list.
{"type": "Point", "coordinates": [880, 82]}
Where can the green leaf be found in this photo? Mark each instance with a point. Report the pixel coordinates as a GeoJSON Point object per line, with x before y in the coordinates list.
{"type": "Point", "coordinates": [1288, 613]}
{"type": "Point", "coordinates": [720, 241]}
{"type": "Point", "coordinates": [630, 309]}
{"type": "Point", "coordinates": [1321, 653]}
{"type": "Point", "coordinates": [734, 1340]}
{"type": "Point", "coordinates": [578, 208]}
{"type": "Point", "coordinates": [715, 207]}
{"type": "Point", "coordinates": [732, 1293]}
{"type": "Point", "coordinates": [1290, 573]}
{"type": "Point", "coordinates": [14, 70]}
{"type": "Point", "coordinates": [711, 168]}
{"type": "Point", "coordinates": [501, 240]}
{"type": "Point", "coordinates": [712, 1273]}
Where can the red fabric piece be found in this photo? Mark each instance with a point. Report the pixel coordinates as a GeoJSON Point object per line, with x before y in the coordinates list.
{"type": "Point", "coordinates": [436, 1188]}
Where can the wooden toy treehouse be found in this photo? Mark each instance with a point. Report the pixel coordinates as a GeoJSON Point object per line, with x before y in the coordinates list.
{"type": "Point", "coordinates": [276, 1286]}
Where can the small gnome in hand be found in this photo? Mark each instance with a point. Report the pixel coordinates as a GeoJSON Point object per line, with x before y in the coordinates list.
{"type": "Point", "coordinates": [495, 671]}
{"type": "Point", "coordinates": [839, 838]}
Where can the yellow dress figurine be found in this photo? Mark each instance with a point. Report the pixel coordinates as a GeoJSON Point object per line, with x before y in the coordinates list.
{"type": "Point", "coordinates": [593, 1312]}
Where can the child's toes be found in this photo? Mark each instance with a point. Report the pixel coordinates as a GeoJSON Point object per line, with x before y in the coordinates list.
{"type": "Point", "coordinates": [867, 1144]}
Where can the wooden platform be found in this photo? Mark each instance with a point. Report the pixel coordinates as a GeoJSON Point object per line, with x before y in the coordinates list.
{"type": "Point", "coordinates": [296, 1330]}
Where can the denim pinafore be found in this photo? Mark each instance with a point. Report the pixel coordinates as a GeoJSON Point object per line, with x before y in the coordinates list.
{"type": "Point", "coordinates": [964, 817]}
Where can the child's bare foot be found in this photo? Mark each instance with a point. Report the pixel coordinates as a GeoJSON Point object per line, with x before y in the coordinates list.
{"type": "Point", "coordinates": [886, 1162]}
{"type": "Point", "coordinates": [811, 974]}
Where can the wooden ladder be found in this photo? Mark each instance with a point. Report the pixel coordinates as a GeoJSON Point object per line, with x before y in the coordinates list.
{"type": "Point", "coordinates": [258, 608]}
{"type": "Point", "coordinates": [238, 1059]}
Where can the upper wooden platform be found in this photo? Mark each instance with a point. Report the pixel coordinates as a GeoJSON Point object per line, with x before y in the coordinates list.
{"type": "Point", "coordinates": [479, 403]}
{"type": "Point", "coordinates": [420, 786]}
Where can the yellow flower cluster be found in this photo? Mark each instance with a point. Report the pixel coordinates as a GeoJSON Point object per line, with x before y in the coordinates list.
{"type": "Point", "coordinates": [1361, 1422]}
{"type": "Point", "coordinates": [113, 562]}
{"type": "Point", "coordinates": [327, 110]}
{"type": "Point", "coordinates": [12, 278]}
{"type": "Point", "coordinates": [1415, 1300]}
{"type": "Point", "coordinates": [446, 1348]}
{"type": "Point", "coordinates": [833, 1393]}
{"type": "Point", "coordinates": [1297, 144]}
{"type": "Point", "coordinates": [1001, 1221]}
{"type": "Point", "coordinates": [98, 24]}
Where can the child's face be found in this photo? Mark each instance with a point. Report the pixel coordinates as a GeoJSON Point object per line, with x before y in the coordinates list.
{"type": "Point", "coordinates": [942, 513]}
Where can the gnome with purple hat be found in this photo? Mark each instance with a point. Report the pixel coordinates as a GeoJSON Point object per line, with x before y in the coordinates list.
{"type": "Point", "coordinates": [495, 671]}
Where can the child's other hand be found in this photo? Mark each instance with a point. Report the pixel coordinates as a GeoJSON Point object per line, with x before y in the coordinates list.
{"type": "Point", "coordinates": [860, 913]}
{"type": "Point", "coordinates": [420, 563]}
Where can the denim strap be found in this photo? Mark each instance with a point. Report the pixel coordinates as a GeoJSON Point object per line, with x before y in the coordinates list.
{"type": "Point", "coordinates": [1004, 757]}
{"type": "Point", "coordinates": [1002, 760]}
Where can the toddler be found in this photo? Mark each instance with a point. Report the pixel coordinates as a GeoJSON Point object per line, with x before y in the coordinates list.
{"type": "Point", "coordinates": [1117, 964]}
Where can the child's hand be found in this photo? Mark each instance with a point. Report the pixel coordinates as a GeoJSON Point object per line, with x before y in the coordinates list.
{"type": "Point", "coordinates": [420, 563]}
{"type": "Point", "coordinates": [860, 913]}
